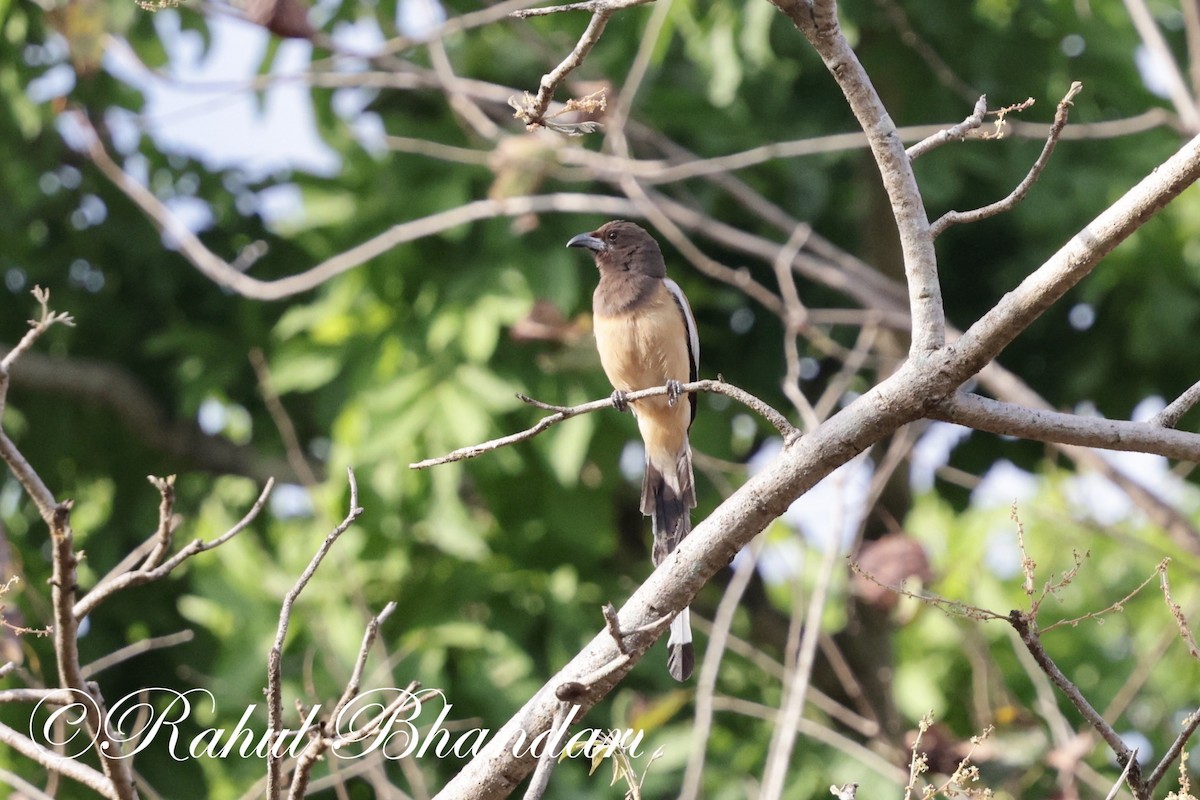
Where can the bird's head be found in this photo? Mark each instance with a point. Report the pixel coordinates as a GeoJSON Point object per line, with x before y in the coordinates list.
{"type": "Point", "coordinates": [621, 246]}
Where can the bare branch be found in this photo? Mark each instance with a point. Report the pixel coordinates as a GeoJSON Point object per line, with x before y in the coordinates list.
{"type": "Point", "coordinates": [224, 274]}
{"type": "Point", "coordinates": [28, 478]}
{"type": "Point", "coordinates": [166, 522]}
{"type": "Point", "coordinates": [1156, 45]}
{"type": "Point", "coordinates": [42, 497]}
{"type": "Point", "coordinates": [106, 588]}
{"type": "Point", "coordinates": [316, 748]}
{"type": "Point", "coordinates": [1169, 417]}
{"type": "Point", "coordinates": [136, 649]}
{"type": "Point", "coordinates": [283, 422]}
{"type": "Point", "coordinates": [275, 658]}
{"type": "Point", "coordinates": [1022, 189]}
{"type": "Point", "coordinates": [819, 24]}
{"type": "Point", "coordinates": [48, 319]}
{"type": "Point", "coordinates": [532, 110]}
{"type": "Point", "coordinates": [1027, 629]}
{"type": "Point", "coordinates": [956, 133]}
{"type": "Point", "coordinates": [591, 6]}
{"type": "Point", "coordinates": [1190, 724]}
{"type": "Point", "coordinates": [1185, 632]}
{"type": "Point", "coordinates": [60, 764]}
{"type": "Point", "coordinates": [66, 649]}
{"type": "Point", "coordinates": [564, 412]}
{"type": "Point", "coordinates": [1007, 419]}
{"type": "Point", "coordinates": [1076, 259]}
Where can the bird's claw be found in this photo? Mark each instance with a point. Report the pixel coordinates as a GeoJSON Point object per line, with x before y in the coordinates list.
{"type": "Point", "coordinates": [619, 402]}
{"type": "Point", "coordinates": [674, 389]}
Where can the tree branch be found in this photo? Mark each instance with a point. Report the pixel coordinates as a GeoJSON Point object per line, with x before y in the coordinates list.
{"type": "Point", "coordinates": [819, 24]}
{"type": "Point", "coordinates": [984, 340]}
{"type": "Point", "coordinates": [143, 575]}
{"type": "Point", "coordinates": [66, 650]}
{"type": "Point", "coordinates": [58, 764]}
{"type": "Point", "coordinates": [275, 657]}
{"type": "Point", "coordinates": [1008, 419]}
{"type": "Point", "coordinates": [785, 428]}
{"type": "Point", "coordinates": [1169, 417]}
{"type": "Point", "coordinates": [316, 748]}
{"type": "Point", "coordinates": [1027, 629]}
{"type": "Point", "coordinates": [958, 132]}
{"type": "Point", "coordinates": [1022, 189]}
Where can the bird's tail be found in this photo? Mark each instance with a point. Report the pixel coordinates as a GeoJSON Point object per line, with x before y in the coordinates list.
{"type": "Point", "coordinates": [668, 496]}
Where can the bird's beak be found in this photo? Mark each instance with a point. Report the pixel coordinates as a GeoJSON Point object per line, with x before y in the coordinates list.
{"type": "Point", "coordinates": [589, 241]}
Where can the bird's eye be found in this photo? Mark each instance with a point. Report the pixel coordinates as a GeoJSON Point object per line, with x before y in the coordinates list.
{"type": "Point", "coordinates": [612, 236]}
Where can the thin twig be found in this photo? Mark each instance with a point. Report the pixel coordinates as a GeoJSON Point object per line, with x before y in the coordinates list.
{"type": "Point", "coordinates": [166, 526]}
{"type": "Point", "coordinates": [21, 469]}
{"type": "Point", "coordinates": [1189, 727]}
{"type": "Point", "coordinates": [1185, 632]}
{"type": "Point", "coordinates": [1026, 628]}
{"type": "Point", "coordinates": [275, 658]}
{"type": "Point", "coordinates": [316, 748]}
{"type": "Point", "coordinates": [1022, 189]}
{"type": "Point", "coordinates": [566, 412]}
{"type": "Point", "coordinates": [125, 580]}
{"type": "Point", "coordinates": [532, 111]}
{"type": "Point", "coordinates": [955, 133]}
{"type": "Point", "coordinates": [1119, 605]}
{"type": "Point", "coordinates": [281, 418]}
{"type": "Point", "coordinates": [1169, 417]}
{"type": "Point", "coordinates": [136, 649]}
{"type": "Point", "coordinates": [545, 766]}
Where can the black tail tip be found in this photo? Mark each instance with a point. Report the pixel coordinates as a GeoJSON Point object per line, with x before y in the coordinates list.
{"type": "Point", "coordinates": [681, 660]}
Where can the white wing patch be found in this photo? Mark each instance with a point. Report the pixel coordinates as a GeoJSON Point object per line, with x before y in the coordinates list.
{"type": "Point", "coordinates": [689, 321]}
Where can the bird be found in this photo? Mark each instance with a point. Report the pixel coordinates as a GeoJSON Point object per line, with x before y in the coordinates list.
{"type": "Point", "coordinates": [646, 336]}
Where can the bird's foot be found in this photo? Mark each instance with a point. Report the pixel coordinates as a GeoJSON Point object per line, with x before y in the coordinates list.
{"type": "Point", "coordinates": [619, 402]}
{"type": "Point", "coordinates": [674, 389]}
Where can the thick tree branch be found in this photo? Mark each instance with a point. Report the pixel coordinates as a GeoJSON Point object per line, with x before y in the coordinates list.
{"type": "Point", "coordinates": [819, 24]}
{"type": "Point", "coordinates": [984, 340]}
{"type": "Point", "coordinates": [1008, 419]}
